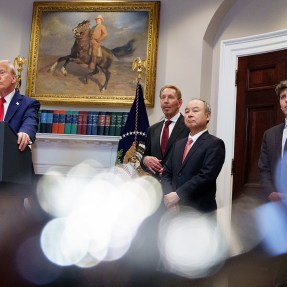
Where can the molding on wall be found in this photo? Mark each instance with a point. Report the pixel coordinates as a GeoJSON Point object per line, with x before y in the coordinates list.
{"type": "Point", "coordinates": [229, 52]}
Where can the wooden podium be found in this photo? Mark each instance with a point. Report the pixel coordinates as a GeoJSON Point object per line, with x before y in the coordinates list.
{"type": "Point", "coordinates": [16, 167]}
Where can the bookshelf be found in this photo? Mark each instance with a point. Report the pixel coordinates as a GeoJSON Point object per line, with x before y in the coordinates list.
{"type": "Point", "coordinates": [63, 151]}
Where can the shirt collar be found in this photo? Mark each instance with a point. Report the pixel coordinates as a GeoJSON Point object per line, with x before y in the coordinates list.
{"type": "Point", "coordinates": [9, 97]}
{"type": "Point", "coordinates": [195, 137]}
{"type": "Point", "coordinates": [175, 118]}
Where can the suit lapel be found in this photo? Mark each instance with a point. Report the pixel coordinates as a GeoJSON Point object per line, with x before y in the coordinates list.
{"type": "Point", "coordinates": [157, 132]}
{"type": "Point", "coordinates": [177, 130]}
{"type": "Point", "coordinates": [278, 140]}
{"type": "Point", "coordinates": [13, 106]}
{"type": "Point", "coordinates": [195, 146]}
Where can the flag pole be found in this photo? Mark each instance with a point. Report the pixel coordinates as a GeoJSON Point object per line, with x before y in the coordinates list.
{"type": "Point", "coordinates": [140, 65]}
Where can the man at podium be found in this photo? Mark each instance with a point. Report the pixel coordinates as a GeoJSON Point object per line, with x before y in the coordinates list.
{"type": "Point", "coordinates": [19, 111]}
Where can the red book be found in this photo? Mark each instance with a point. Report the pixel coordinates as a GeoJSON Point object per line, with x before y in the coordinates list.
{"type": "Point", "coordinates": [80, 122]}
{"type": "Point", "coordinates": [84, 123]}
{"type": "Point", "coordinates": [61, 125]}
{"type": "Point", "coordinates": [55, 125]}
{"type": "Point", "coordinates": [101, 123]}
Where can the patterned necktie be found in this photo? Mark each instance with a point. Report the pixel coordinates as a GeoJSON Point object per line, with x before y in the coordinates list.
{"type": "Point", "coordinates": [187, 148]}
{"type": "Point", "coordinates": [165, 136]}
{"type": "Point", "coordinates": [2, 101]}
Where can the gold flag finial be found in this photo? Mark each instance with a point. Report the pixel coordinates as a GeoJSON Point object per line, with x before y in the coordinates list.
{"type": "Point", "coordinates": [18, 64]}
{"type": "Point", "coordinates": [139, 64]}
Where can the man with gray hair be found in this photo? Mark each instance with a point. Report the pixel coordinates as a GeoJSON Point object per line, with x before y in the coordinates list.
{"type": "Point", "coordinates": [189, 176]}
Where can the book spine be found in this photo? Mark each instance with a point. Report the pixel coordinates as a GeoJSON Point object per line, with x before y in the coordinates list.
{"type": "Point", "coordinates": [124, 120]}
{"type": "Point", "coordinates": [101, 123]}
{"type": "Point", "coordinates": [107, 123]}
{"type": "Point", "coordinates": [43, 121]}
{"type": "Point", "coordinates": [80, 122]}
{"type": "Point", "coordinates": [68, 122]}
{"type": "Point", "coordinates": [84, 123]}
{"type": "Point", "coordinates": [62, 118]}
{"type": "Point", "coordinates": [49, 125]}
{"type": "Point", "coordinates": [74, 123]}
{"type": "Point", "coordinates": [95, 117]}
{"type": "Point", "coordinates": [118, 124]}
{"type": "Point", "coordinates": [89, 123]}
{"type": "Point", "coordinates": [113, 124]}
{"type": "Point", "coordinates": [55, 126]}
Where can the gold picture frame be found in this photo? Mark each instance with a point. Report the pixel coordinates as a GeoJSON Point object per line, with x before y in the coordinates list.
{"type": "Point", "coordinates": [132, 29]}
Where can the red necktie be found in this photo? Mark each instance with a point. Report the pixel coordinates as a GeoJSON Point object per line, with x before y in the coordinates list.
{"type": "Point", "coordinates": [2, 101]}
{"type": "Point", "coordinates": [165, 136]}
{"type": "Point", "coordinates": [187, 148]}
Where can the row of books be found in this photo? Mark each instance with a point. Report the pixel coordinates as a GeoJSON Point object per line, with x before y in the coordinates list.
{"type": "Point", "coordinates": [82, 122]}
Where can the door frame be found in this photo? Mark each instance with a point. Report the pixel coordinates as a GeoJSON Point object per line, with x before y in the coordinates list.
{"type": "Point", "coordinates": [230, 50]}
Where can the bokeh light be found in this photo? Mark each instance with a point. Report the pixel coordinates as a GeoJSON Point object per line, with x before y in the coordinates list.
{"type": "Point", "coordinates": [96, 214]}
{"type": "Point", "coordinates": [191, 244]}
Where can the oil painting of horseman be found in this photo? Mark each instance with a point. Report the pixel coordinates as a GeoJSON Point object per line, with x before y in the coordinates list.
{"type": "Point", "coordinates": [65, 53]}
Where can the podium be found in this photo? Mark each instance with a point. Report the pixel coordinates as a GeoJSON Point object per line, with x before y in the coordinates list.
{"type": "Point", "coordinates": [16, 167]}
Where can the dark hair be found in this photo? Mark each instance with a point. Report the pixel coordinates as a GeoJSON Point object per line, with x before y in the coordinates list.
{"type": "Point", "coordinates": [177, 90]}
{"type": "Point", "coordinates": [280, 87]}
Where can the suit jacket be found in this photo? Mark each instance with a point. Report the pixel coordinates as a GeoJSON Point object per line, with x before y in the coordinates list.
{"type": "Point", "coordinates": [22, 115]}
{"type": "Point", "coordinates": [194, 180]}
{"type": "Point", "coordinates": [270, 160]}
{"type": "Point", "coordinates": [152, 145]}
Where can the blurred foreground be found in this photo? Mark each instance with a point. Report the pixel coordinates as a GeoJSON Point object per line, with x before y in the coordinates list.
{"type": "Point", "coordinates": [107, 229]}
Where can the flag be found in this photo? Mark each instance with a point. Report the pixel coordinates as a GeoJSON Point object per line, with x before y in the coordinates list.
{"type": "Point", "coordinates": [132, 141]}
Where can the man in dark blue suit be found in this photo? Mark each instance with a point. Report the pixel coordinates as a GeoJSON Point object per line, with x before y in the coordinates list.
{"type": "Point", "coordinates": [154, 157]}
{"type": "Point", "coordinates": [190, 180]}
{"type": "Point", "coordinates": [20, 112]}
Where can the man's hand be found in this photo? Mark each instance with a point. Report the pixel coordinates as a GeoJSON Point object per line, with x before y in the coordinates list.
{"type": "Point", "coordinates": [275, 196]}
{"type": "Point", "coordinates": [171, 199]}
{"type": "Point", "coordinates": [153, 164]}
{"type": "Point", "coordinates": [23, 140]}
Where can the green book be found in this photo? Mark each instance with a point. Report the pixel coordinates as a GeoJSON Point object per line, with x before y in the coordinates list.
{"type": "Point", "coordinates": [124, 120]}
{"type": "Point", "coordinates": [113, 122]}
{"type": "Point", "coordinates": [74, 122]}
{"type": "Point", "coordinates": [118, 128]}
{"type": "Point", "coordinates": [68, 122]}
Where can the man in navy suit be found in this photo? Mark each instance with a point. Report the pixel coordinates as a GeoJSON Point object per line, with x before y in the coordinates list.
{"type": "Point", "coordinates": [154, 158]}
{"type": "Point", "coordinates": [191, 181]}
{"type": "Point", "coordinates": [20, 112]}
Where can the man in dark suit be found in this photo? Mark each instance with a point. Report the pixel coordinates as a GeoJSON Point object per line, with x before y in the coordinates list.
{"type": "Point", "coordinates": [272, 156]}
{"type": "Point", "coordinates": [190, 179]}
{"type": "Point", "coordinates": [19, 111]}
{"type": "Point", "coordinates": [155, 155]}
{"type": "Point", "coordinates": [273, 172]}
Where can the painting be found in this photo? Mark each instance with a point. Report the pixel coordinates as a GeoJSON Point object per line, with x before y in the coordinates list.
{"type": "Point", "coordinates": [81, 53]}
